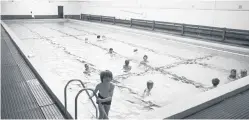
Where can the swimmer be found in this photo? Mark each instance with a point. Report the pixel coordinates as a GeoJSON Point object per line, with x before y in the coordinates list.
{"type": "Point", "coordinates": [145, 60]}
{"type": "Point", "coordinates": [105, 93]}
{"type": "Point", "coordinates": [98, 38]}
{"type": "Point", "coordinates": [86, 40]}
{"type": "Point", "coordinates": [135, 50]}
{"type": "Point", "coordinates": [148, 89]}
{"type": "Point", "coordinates": [243, 73]}
{"type": "Point", "coordinates": [110, 51]}
{"type": "Point", "coordinates": [87, 69]}
{"type": "Point", "coordinates": [233, 75]}
{"type": "Point", "coordinates": [215, 82]}
{"type": "Point", "coordinates": [127, 67]}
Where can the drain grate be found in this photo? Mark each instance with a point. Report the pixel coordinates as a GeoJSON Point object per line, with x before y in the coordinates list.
{"type": "Point", "coordinates": [39, 93]}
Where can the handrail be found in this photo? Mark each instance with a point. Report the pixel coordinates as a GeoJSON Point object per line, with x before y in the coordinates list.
{"type": "Point", "coordinates": [140, 20]}
{"type": "Point", "coordinates": [76, 101]}
{"type": "Point", "coordinates": [65, 90]}
{"type": "Point", "coordinates": [65, 94]}
{"type": "Point", "coordinates": [107, 17]}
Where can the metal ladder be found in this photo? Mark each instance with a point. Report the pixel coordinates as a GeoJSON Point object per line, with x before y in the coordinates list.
{"type": "Point", "coordinates": [76, 98]}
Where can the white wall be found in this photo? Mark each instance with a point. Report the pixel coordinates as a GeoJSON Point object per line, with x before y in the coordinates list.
{"type": "Point", "coordinates": [38, 7]}
{"type": "Point", "coordinates": [216, 13]}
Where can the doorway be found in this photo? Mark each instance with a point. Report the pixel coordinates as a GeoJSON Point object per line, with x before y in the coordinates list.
{"type": "Point", "coordinates": [60, 12]}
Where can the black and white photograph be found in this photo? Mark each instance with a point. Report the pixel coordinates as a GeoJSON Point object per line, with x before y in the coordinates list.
{"type": "Point", "coordinates": [124, 59]}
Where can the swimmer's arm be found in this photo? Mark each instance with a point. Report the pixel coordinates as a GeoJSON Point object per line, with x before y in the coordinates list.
{"type": "Point", "coordinates": [95, 91]}
{"type": "Point", "coordinates": [108, 98]}
{"type": "Point", "coordinates": [144, 93]}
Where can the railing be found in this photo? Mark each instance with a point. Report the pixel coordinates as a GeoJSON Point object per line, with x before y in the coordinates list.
{"type": "Point", "coordinates": [65, 96]}
{"type": "Point", "coordinates": [233, 36]}
{"type": "Point", "coordinates": [142, 23]}
{"type": "Point", "coordinates": [107, 19]}
{"type": "Point", "coordinates": [76, 102]}
{"type": "Point", "coordinates": [99, 18]}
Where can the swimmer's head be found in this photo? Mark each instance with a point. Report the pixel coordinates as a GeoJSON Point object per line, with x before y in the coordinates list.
{"type": "Point", "coordinates": [215, 82]}
{"type": "Point", "coordinates": [86, 67]}
{"type": "Point", "coordinates": [150, 84]}
{"type": "Point", "coordinates": [127, 62]}
{"type": "Point", "coordinates": [135, 50]}
{"type": "Point", "coordinates": [86, 40]}
{"type": "Point", "coordinates": [243, 73]}
{"type": "Point", "coordinates": [145, 57]}
{"type": "Point", "coordinates": [111, 50]}
{"type": "Point", "coordinates": [98, 36]}
{"type": "Point", "coordinates": [106, 76]}
{"type": "Point", "coordinates": [233, 73]}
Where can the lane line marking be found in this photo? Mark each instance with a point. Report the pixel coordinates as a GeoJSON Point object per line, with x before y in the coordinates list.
{"type": "Point", "coordinates": [134, 31]}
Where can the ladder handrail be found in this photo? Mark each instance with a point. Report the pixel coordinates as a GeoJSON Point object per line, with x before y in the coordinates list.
{"type": "Point", "coordinates": [76, 101]}
{"type": "Point", "coordinates": [65, 94]}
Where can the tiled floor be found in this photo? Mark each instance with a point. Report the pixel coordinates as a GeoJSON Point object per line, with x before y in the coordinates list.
{"type": "Point", "coordinates": [22, 96]}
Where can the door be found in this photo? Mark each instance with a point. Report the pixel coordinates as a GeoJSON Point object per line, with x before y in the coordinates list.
{"type": "Point", "coordinates": [60, 11]}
